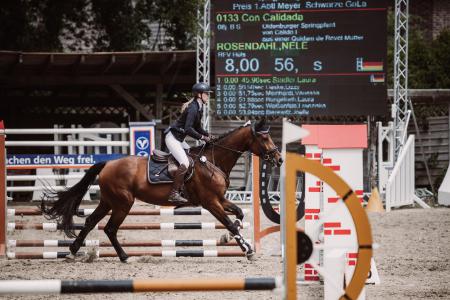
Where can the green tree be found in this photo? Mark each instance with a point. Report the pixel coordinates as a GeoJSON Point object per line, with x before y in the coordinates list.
{"type": "Point", "coordinates": [31, 25]}
{"type": "Point", "coordinates": [420, 60]}
{"type": "Point", "coordinates": [428, 61]}
{"type": "Point", "coordinates": [121, 25]}
{"type": "Point", "coordinates": [441, 59]}
{"type": "Point", "coordinates": [179, 18]}
{"type": "Point", "coordinates": [97, 25]}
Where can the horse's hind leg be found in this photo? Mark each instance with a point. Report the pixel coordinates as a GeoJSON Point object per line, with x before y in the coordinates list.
{"type": "Point", "coordinates": [111, 228]}
{"type": "Point", "coordinates": [99, 213]}
{"type": "Point", "coordinates": [217, 211]}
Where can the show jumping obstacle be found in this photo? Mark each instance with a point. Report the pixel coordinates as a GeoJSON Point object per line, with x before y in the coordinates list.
{"type": "Point", "coordinates": [137, 212]}
{"type": "Point", "coordinates": [161, 253]}
{"type": "Point", "coordinates": [84, 212]}
{"type": "Point", "coordinates": [97, 243]}
{"type": "Point", "coordinates": [135, 226]}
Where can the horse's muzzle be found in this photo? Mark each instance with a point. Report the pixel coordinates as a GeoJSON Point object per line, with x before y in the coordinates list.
{"type": "Point", "coordinates": [274, 160]}
{"type": "Point", "coordinates": [279, 162]}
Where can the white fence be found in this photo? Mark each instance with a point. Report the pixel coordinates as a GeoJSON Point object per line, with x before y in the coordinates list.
{"type": "Point", "coordinates": [401, 184]}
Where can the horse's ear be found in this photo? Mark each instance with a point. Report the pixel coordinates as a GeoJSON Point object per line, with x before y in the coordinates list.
{"type": "Point", "coordinates": [261, 126]}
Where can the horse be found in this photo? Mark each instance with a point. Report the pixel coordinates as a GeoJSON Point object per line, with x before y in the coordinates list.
{"type": "Point", "coordinates": [123, 180]}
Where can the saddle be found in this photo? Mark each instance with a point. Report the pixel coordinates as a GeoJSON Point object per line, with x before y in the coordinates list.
{"type": "Point", "coordinates": [162, 167]}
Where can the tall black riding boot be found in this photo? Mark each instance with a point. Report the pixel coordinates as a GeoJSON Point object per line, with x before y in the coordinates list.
{"type": "Point", "coordinates": [178, 182]}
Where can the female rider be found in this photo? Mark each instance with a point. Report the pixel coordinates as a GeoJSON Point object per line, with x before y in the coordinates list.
{"type": "Point", "coordinates": [189, 123]}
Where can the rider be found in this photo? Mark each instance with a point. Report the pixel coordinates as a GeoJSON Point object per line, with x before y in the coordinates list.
{"type": "Point", "coordinates": [189, 123]}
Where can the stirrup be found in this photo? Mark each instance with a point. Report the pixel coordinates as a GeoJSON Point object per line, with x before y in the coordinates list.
{"type": "Point", "coordinates": [177, 198]}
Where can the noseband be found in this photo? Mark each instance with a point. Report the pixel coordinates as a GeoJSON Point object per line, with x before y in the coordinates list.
{"type": "Point", "coordinates": [269, 154]}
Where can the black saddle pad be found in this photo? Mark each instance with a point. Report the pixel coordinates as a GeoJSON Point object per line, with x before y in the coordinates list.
{"type": "Point", "coordinates": [158, 172]}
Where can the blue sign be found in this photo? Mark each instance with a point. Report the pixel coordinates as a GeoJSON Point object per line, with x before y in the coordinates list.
{"type": "Point", "coordinates": [35, 160]}
{"type": "Point", "coordinates": [142, 142]}
{"type": "Point", "coordinates": [142, 138]}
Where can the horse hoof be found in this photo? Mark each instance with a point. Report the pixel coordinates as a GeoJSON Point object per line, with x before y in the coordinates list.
{"type": "Point", "coordinates": [251, 256]}
{"type": "Point", "coordinates": [238, 223]}
{"type": "Point", "coordinates": [70, 257]}
{"type": "Point", "coordinates": [124, 260]}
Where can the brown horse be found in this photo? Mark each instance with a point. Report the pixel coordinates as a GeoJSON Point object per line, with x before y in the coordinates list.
{"type": "Point", "coordinates": [123, 180]}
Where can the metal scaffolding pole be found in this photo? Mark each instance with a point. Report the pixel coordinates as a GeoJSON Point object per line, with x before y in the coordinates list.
{"type": "Point", "coordinates": [203, 51]}
{"type": "Point", "coordinates": [402, 108]}
{"type": "Point", "coordinates": [400, 112]}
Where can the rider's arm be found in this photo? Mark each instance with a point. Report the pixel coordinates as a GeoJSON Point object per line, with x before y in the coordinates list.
{"type": "Point", "coordinates": [189, 124]}
{"type": "Point", "coordinates": [200, 130]}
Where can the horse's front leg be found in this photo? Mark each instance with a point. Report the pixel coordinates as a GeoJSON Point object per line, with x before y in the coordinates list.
{"type": "Point", "coordinates": [233, 208]}
{"type": "Point", "coordinates": [237, 211]}
{"type": "Point", "coordinates": [218, 211]}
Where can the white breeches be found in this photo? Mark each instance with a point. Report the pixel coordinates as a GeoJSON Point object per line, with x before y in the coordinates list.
{"type": "Point", "coordinates": [176, 148]}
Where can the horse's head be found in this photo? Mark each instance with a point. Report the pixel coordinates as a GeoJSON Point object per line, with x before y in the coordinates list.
{"type": "Point", "coordinates": [262, 144]}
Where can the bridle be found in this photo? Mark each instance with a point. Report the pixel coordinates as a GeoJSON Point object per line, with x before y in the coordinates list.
{"type": "Point", "coordinates": [266, 155]}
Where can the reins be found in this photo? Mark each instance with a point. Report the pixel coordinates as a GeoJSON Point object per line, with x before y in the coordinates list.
{"type": "Point", "coordinates": [227, 148]}
{"type": "Point", "coordinates": [265, 154]}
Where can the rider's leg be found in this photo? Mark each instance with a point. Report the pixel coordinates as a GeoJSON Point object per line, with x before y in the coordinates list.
{"type": "Point", "coordinates": [179, 154]}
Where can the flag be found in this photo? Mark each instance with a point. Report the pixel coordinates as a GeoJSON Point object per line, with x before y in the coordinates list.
{"type": "Point", "coordinates": [372, 66]}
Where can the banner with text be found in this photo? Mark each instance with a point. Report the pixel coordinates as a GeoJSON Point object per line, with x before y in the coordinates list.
{"type": "Point", "coordinates": [23, 161]}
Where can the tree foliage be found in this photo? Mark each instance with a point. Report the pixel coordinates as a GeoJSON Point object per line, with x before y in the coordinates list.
{"type": "Point", "coordinates": [24, 25]}
{"type": "Point", "coordinates": [441, 55]}
{"type": "Point", "coordinates": [182, 26]}
{"type": "Point", "coordinates": [428, 62]}
{"type": "Point", "coordinates": [121, 24]}
{"type": "Point", "coordinates": [95, 25]}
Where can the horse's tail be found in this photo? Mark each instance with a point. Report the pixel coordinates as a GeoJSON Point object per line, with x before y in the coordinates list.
{"type": "Point", "coordinates": [61, 206]}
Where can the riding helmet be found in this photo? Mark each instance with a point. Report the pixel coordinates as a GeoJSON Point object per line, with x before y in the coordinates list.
{"type": "Point", "coordinates": [201, 87]}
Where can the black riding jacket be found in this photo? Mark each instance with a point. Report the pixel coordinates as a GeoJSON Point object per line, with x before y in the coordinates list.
{"type": "Point", "coordinates": [189, 123]}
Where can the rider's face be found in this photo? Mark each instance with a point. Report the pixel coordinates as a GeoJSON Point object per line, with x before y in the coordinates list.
{"type": "Point", "coordinates": [204, 97]}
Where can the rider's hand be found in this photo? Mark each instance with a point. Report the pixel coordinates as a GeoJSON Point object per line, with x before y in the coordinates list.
{"type": "Point", "coordinates": [205, 138]}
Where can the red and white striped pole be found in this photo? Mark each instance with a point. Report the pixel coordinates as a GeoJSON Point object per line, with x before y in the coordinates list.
{"type": "Point", "coordinates": [2, 191]}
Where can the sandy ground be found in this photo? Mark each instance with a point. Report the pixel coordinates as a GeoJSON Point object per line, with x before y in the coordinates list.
{"type": "Point", "coordinates": [413, 261]}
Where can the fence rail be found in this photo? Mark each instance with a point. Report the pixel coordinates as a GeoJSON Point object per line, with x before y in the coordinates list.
{"type": "Point", "coordinates": [66, 143]}
{"type": "Point", "coordinates": [66, 130]}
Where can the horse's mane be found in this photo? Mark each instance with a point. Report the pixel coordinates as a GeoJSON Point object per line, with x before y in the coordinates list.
{"type": "Point", "coordinates": [224, 135]}
{"type": "Point", "coordinates": [220, 137]}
